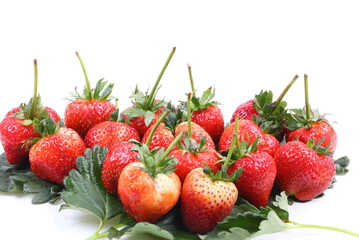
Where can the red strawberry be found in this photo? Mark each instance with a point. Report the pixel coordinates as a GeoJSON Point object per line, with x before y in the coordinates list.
{"type": "Point", "coordinates": [269, 144]}
{"type": "Point", "coordinates": [258, 173]}
{"type": "Point", "coordinates": [205, 202]}
{"type": "Point", "coordinates": [265, 112]}
{"type": "Point", "coordinates": [149, 189]}
{"type": "Point", "coordinates": [193, 155]}
{"type": "Point", "coordinates": [302, 172]}
{"type": "Point", "coordinates": [197, 133]}
{"type": "Point", "coordinates": [305, 124]}
{"type": "Point", "coordinates": [207, 198]}
{"type": "Point", "coordinates": [206, 112]}
{"type": "Point", "coordinates": [162, 137]}
{"type": "Point", "coordinates": [145, 107]}
{"type": "Point", "coordinates": [108, 133]}
{"type": "Point", "coordinates": [90, 108]}
{"type": "Point", "coordinates": [247, 131]}
{"type": "Point", "coordinates": [53, 156]}
{"type": "Point", "coordinates": [117, 158]}
{"type": "Point", "coordinates": [19, 127]}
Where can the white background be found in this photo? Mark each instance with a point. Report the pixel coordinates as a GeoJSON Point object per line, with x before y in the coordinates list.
{"type": "Point", "coordinates": [239, 47]}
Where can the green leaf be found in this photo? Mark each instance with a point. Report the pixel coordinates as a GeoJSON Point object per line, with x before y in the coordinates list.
{"type": "Point", "coordinates": [152, 230]}
{"type": "Point", "coordinates": [341, 165]}
{"type": "Point", "coordinates": [20, 179]}
{"type": "Point", "coordinates": [84, 189]}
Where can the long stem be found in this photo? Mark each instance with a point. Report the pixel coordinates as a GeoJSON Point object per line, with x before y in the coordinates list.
{"type": "Point", "coordinates": [152, 132]}
{"type": "Point", "coordinates": [236, 123]}
{"type": "Point", "coordinates": [297, 225]}
{"type": "Point", "coordinates": [189, 116]}
{"type": "Point", "coordinates": [34, 97]}
{"type": "Point", "coordinates": [191, 79]}
{"type": "Point", "coordinates": [281, 96]}
{"type": "Point", "coordinates": [307, 105]}
{"type": "Point", "coordinates": [169, 148]}
{"type": "Point", "coordinates": [154, 89]}
{"type": "Point", "coordinates": [88, 85]}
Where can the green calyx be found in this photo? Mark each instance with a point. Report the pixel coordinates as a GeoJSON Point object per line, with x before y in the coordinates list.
{"type": "Point", "coordinates": [145, 104]}
{"type": "Point", "coordinates": [222, 174]}
{"type": "Point", "coordinates": [203, 102]}
{"type": "Point", "coordinates": [271, 113]}
{"type": "Point", "coordinates": [101, 92]}
{"type": "Point", "coordinates": [156, 161]}
{"type": "Point", "coordinates": [191, 146]}
{"type": "Point", "coordinates": [318, 148]}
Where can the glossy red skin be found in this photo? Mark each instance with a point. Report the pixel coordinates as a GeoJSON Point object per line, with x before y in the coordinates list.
{"type": "Point", "coordinates": [108, 133]}
{"type": "Point", "coordinates": [188, 161]}
{"type": "Point", "coordinates": [318, 131]}
{"type": "Point", "coordinates": [117, 158]}
{"type": "Point", "coordinates": [258, 174]}
{"type": "Point", "coordinates": [302, 172]}
{"type": "Point", "coordinates": [205, 202]}
{"type": "Point", "coordinates": [139, 124]}
{"type": "Point", "coordinates": [146, 199]}
{"type": "Point", "coordinates": [244, 111]}
{"type": "Point", "coordinates": [162, 137]}
{"type": "Point", "coordinates": [247, 131]}
{"type": "Point", "coordinates": [52, 157]}
{"type": "Point", "coordinates": [13, 136]}
{"type": "Point", "coordinates": [269, 144]}
{"type": "Point", "coordinates": [82, 114]}
{"type": "Point", "coordinates": [211, 120]}
{"type": "Point", "coordinates": [197, 133]}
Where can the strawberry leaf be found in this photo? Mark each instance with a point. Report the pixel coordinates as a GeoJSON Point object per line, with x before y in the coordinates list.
{"type": "Point", "coordinates": [20, 179]}
{"type": "Point", "coordinates": [84, 189]}
{"type": "Point", "coordinates": [152, 230]}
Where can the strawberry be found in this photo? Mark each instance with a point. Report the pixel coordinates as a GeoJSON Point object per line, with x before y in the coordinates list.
{"type": "Point", "coordinates": [193, 155]}
{"type": "Point", "coordinates": [258, 173]}
{"type": "Point", "coordinates": [248, 131]}
{"type": "Point", "coordinates": [149, 189]}
{"type": "Point", "coordinates": [265, 112]}
{"type": "Point", "coordinates": [117, 158]}
{"type": "Point", "coordinates": [19, 127]}
{"type": "Point", "coordinates": [207, 198]}
{"type": "Point", "coordinates": [307, 124]}
{"type": "Point", "coordinates": [108, 133]}
{"type": "Point", "coordinates": [301, 171]}
{"type": "Point", "coordinates": [90, 108]}
{"type": "Point", "coordinates": [145, 108]}
{"type": "Point", "coordinates": [194, 130]}
{"type": "Point", "coordinates": [158, 135]}
{"type": "Point", "coordinates": [206, 112]}
{"type": "Point", "coordinates": [54, 155]}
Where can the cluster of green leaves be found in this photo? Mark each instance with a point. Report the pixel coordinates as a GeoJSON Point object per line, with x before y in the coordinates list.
{"type": "Point", "coordinates": [20, 179]}
{"type": "Point", "coordinates": [302, 118]}
{"type": "Point", "coordinates": [270, 113]}
{"type": "Point", "coordinates": [101, 92]}
{"type": "Point", "coordinates": [143, 104]}
{"type": "Point", "coordinates": [203, 102]}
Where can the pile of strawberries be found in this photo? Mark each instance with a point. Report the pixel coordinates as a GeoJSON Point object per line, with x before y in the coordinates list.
{"type": "Point", "coordinates": [160, 154]}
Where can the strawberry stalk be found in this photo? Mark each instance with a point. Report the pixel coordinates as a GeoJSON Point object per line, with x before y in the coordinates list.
{"type": "Point", "coordinates": [34, 98]}
{"type": "Point", "coordinates": [298, 225]}
{"type": "Point", "coordinates": [88, 85]}
{"type": "Point", "coordinates": [284, 92]}
{"type": "Point", "coordinates": [154, 128]}
{"type": "Point", "coordinates": [307, 105]}
{"type": "Point", "coordinates": [154, 89]}
{"type": "Point", "coordinates": [189, 117]}
{"type": "Point", "coordinates": [169, 148]}
{"type": "Point", "coordinates": [191, 79]}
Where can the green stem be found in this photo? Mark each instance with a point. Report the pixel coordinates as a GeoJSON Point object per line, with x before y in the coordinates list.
{"type": "Point", "coordinates": [154, 89]}
{"type": "Point", "coordinates": [152, 132]}
{"type": "Point", "coordinates": [96, 235]}
{"type": "Point", "coordinates": [34, 97]}
{"type": "Point", "coordinates": [88, 85]}
{"type": "Point", "coordinates": [297, 225]}
{"type": "Point", "coordinates": [169, 148]}
{"type": "Point", "coordinates": [231, 149]}
{"type": "Point", "coordinates": [307, 105]}
{"type": "Point", "coordinates": [236, 123]}
{"type": "Point", "coordinates": [191, 79]}
{"type": "Point", "coordinates": [281, 96]}
{"type": "Point", "coordinates": [189, 116]}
